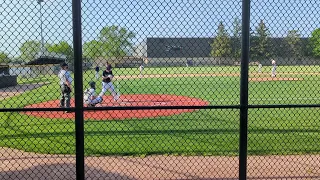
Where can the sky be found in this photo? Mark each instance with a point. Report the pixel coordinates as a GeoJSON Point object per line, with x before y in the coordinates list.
{"type": "Point", "coordinates": [21, 20]}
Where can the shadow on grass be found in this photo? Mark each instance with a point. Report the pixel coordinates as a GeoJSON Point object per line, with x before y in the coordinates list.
{"type": "Point", "coordinates": [21, 134]}
{"type": "Point", "coordinates": [113, 133]}
{"type": "Point", "coordinates": [18, 133]}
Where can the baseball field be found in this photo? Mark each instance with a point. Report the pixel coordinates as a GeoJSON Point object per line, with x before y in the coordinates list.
{"type": "Point", "coordinates": [200, 132]}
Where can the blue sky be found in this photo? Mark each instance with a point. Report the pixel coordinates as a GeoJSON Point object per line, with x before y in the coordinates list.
{"type": "Point", "coordinates": [20, 20]}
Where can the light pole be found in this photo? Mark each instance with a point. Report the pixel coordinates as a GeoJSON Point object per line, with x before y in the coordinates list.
{"type": "Point", "coordinates": [42, 40]}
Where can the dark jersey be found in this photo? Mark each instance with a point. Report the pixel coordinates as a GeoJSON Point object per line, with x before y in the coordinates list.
{"type": "Point", "coordinates": [106, 74]}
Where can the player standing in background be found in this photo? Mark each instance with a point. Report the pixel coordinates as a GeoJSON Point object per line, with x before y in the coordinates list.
{"type": "Point", "coordinates": [97, 71]}
{"type": "Point", "coordinates": [259, 68]}
{"type": "Point", "coordinates": [141, 68]}
{"type": "Point", "coordinates": [89, 97]}
{"type": "Point", "coordinates": [107, 77]}
{"type": "Point", "coordinates": [65, 84]}
{"type": "Point", "coordinates": [274, 68]}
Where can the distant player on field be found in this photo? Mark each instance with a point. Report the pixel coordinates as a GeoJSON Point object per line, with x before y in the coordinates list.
{"type": "Point", "coordinates": [259, 68]}
{"type": "Point", "coordinates": [97, 71]}
{"type": "Point", "coordinates": [141, 68]}
{"type": "Point", "coordinates": [274, 68]}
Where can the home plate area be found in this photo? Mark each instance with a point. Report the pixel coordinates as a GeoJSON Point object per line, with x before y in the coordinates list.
{"type": "Point", "coordinates": [129, 100]}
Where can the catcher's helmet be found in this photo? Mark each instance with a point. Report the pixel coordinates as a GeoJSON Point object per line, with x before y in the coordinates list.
{"type": "Point", "coordinates": [63, 64]}
{"type": "Point", "coordinates": [92, 84]}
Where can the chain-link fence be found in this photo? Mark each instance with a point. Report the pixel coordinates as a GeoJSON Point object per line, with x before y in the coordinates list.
{"type": "Point", "coordinates": [159, 89]}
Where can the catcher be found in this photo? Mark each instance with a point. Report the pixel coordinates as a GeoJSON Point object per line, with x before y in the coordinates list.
{"type": "Point", "coordinates": [89, 97]}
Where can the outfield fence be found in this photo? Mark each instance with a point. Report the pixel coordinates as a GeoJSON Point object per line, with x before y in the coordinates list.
{"type": "Point", "coordinates": [160, 90]}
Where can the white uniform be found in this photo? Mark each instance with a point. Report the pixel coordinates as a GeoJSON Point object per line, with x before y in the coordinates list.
{"type": "Point", "coordinates": [259, 68]}
{"type": "Point", "coordinates": [141, 70]}
{"type": "Point", "coordinates": [274, 68]}
{"type": "Point", "coordinates": [107, 85]}
{"type": "Point", "coordinates": [89, 97]}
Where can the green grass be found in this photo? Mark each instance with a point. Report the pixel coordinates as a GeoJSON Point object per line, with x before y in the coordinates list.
{"type": "Point", "coordinates": [202, 132]}
{"type": "Point", "coordinates": [38, 79]}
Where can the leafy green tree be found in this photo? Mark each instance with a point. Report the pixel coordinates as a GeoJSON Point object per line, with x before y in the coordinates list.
{"type": "Point", "coordinates": [116, 41]}
{"type": "Point", "coordinates": [4, 58]}
{"type": "Point", "coordinates": [260, 48]}
{"type": "Point", "coordinates": [294, 44]}
{"type": "Point", "coordinates": [61, 48]}
{"type": "Point", "coordinates": [307, 47]}
{"type": "Point", "coordinates": [113, 41]}
{"type": "Point", "coordinates": [220, 46]}
{"type": "Point", "coordinates": [236, 38]}
{"type": "Point", "coordinates": [93, 49]}
{"type": "Point", "coordinates": [315, 42]}
{"type": "Point", "coordinates": [29, 50]}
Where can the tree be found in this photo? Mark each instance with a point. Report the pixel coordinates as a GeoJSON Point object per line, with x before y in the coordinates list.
{"type": "Point", "coordinates": [62, 48]}
{"type": "Point", "coordinates": [293, 42]}
{"type": "Point", "coordinates": [29, 50]}
{"type": "Point", "coordinates": [113, 41]}
{"type": "Point", "coordinates": [220, 46]}
{"type": "Point", "coordinates": [4, 58]}
{"type": "Point", "coordinates": [260, 48]}
{"type": "Point", "coordinates": [315, 42]}
{"type": "Point", "coordinates": [307, 47]}
{"type": "Point", "coordinates": [93, 49]}
{"type": "Point", "coordinates": [236, 38]}
{"type": "Point", "coordinates": [116, 41]}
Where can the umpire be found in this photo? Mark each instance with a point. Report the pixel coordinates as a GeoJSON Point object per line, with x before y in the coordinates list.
{"type": "Point", "coordinates": [65, 84]}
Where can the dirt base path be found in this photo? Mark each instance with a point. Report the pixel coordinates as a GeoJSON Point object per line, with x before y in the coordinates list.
{"type": "Point", "coordinates": [259, 77]}
{"type": "Point", "coordinates": [16, 164]}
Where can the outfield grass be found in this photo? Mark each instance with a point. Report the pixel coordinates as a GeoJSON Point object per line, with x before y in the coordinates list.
{"type": "Point", "coordinates": [205, 132]}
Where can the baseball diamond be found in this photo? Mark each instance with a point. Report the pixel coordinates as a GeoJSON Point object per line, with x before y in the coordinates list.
{"type": "Point", "coordinates": [179, 86]}
{"type": "Point", "coordinates": [211, 132]}
{"type": "Point", "coordinates": [221, 90]}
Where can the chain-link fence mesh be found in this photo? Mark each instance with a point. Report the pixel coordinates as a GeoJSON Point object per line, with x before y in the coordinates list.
{"type": "Point", "coordinates": [161, 90]}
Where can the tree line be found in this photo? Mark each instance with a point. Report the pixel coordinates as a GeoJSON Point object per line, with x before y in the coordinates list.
{"type": "Point", "coordinates": [112, 41]}
{"type": "Point", "coordinates": [262, 45]}
{"type": "Point", "coordinates": [115, 41]}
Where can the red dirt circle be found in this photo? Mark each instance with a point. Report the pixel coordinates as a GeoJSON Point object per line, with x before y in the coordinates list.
{"type": "Point", "coordinates": [126, 100]}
